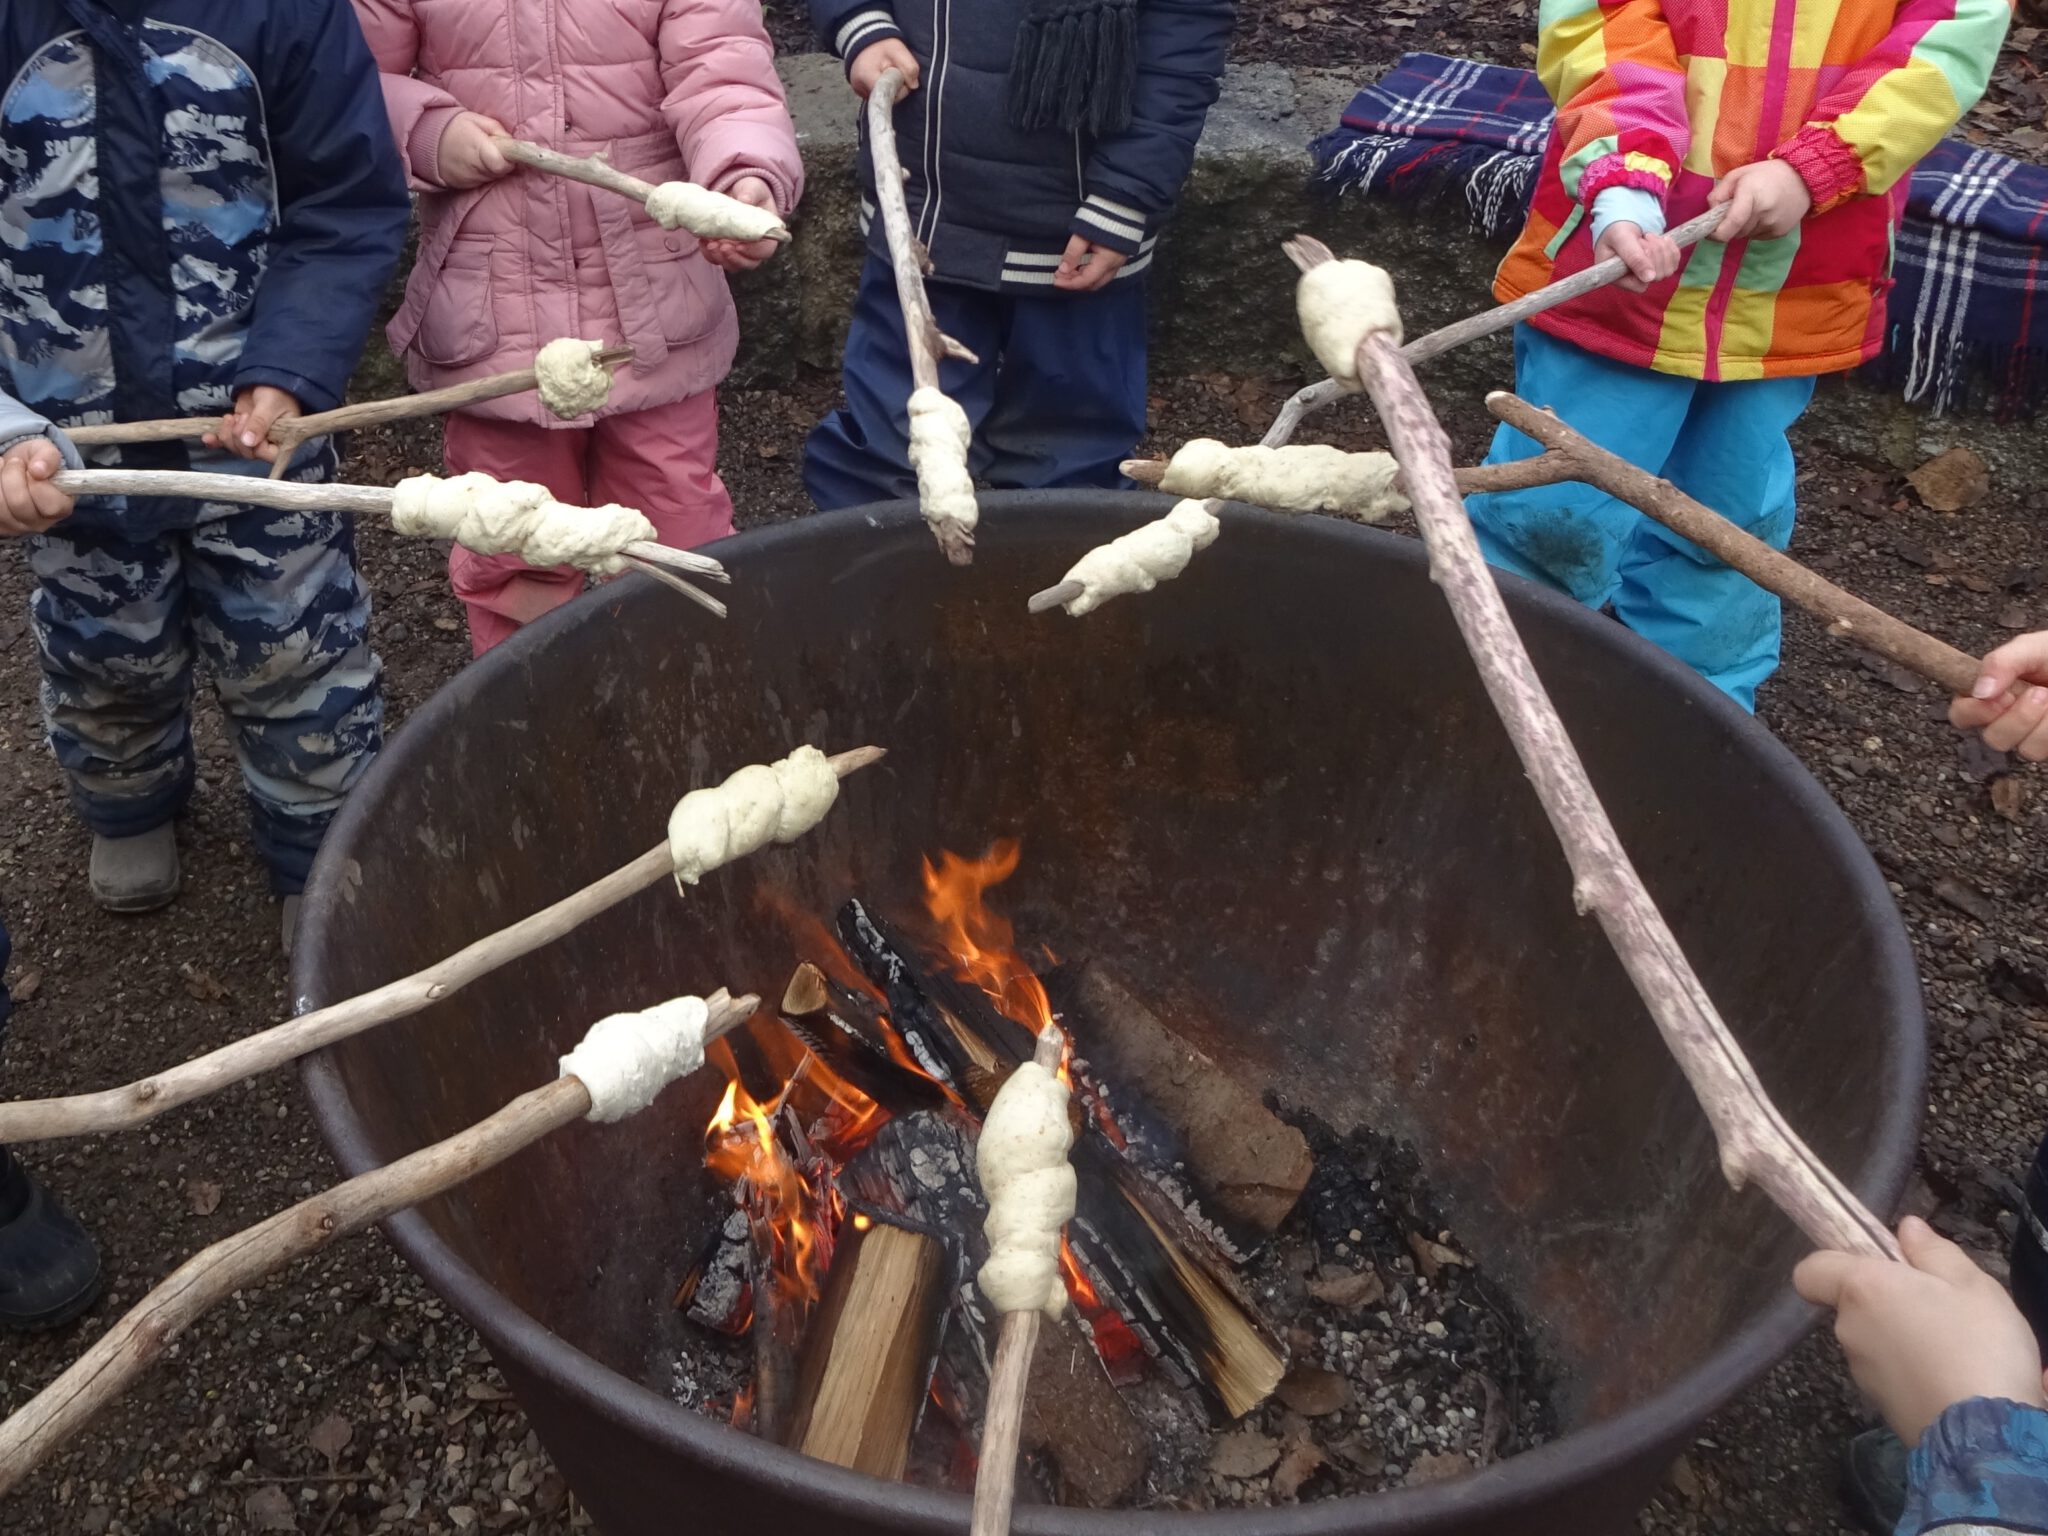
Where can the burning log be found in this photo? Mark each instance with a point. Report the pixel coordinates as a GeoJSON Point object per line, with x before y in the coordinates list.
{"type": "Point", "coordinates": [772, 1333]}
{"type": "Point", "coordinates": [718, 1292]}
{"type": "Point", "coordinates": [867, 1363]}
{"type": "Point", "coordinates": [1248, 1165]}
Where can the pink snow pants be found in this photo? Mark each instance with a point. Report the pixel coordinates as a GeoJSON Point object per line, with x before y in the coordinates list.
{"type": "Point", "coordinates": [661, 460]}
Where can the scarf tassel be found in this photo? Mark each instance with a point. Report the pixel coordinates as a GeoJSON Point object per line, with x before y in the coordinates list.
{"type": "Point", "coordinates": [1076, 68]}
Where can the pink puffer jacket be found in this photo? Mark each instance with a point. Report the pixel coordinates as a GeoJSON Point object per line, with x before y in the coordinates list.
{"type": "Point", "coordinates": [667, 89]}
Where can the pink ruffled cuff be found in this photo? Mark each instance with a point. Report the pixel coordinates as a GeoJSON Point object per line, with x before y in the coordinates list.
{"type": "Point", "coordinates": [423, 144]}
{"type": "Point", "coordinates": [1828, 166]}
{"type": "Point", "coordinates": [1615, 171]}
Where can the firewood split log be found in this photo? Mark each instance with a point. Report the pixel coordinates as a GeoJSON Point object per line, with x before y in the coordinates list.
{"type": "Point", "coordinates": [1754, 1139]}
{"type": "Point", "coordinates": [115, 1109]}
{"type": "Point", "coordinates": [631, 1056]}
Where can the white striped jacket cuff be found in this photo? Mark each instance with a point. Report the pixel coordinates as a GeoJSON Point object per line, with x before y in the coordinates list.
{"type": "Point", "coordinates": [1116, 225]}
{"type": "Point", "coordinates": [860, 29]}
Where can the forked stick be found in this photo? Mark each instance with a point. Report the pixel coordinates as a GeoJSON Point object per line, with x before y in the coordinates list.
{"type": "Point", "coordinates": [1754, 1140]}
{"type": "Point", "coordinates": [1315, 396]}
{"type": "Point", "coordinates": [1002, 1427]}
{"type": "Point", "coordinates": [593, 171]}
{"type": "Point", "coordinates": [1568, 456]}
{"type": "Point", "coordinates": [290, 431]}
{"type": "Point", "coordinates": [360, 500]}
{"type": "Point", "coordinates": [907, 260]}
{"type": "Point", "coordinates": [139, 1102]}
{"type": "Point", "coordinates": [121, 1354]}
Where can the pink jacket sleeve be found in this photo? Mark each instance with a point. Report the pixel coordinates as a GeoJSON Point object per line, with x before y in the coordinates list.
{"type": "Point", "coordinates": [420, 113]}
{"type": "Point", "coordinates": [724, 99]}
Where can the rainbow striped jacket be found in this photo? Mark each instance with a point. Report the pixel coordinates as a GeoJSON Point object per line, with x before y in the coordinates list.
{"type": "Point", "coordinates": [1671, 95]}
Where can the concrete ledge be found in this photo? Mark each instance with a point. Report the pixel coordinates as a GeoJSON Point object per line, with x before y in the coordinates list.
{"type": "Point", "coordinates": [1220, 293]}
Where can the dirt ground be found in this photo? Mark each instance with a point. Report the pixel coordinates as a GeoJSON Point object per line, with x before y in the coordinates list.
{"type": "Point", "coordinates": [343, 1399]}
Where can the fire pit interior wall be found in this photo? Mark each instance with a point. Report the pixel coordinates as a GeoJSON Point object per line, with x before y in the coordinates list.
{"type": "Point", "coordinates": [1272, 791]}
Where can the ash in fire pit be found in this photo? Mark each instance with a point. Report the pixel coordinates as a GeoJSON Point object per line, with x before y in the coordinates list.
{"type": "Point", "coordinates": [1264, 1310]}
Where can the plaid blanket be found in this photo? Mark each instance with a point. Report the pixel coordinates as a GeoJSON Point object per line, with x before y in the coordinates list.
{"type": "Point", "coordinates": [1968, 319]}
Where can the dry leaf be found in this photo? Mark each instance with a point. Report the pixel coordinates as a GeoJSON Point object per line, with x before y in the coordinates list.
{"type": "Point", "coordinates": [202, 1196]}
{"type": "Point", "coordinates": [1349, 1288]}
{"type": "Point", "coordinates": [1431, 1257]}
{"type": "Point", "coordinates": [1301, 1463]}
{"type": "Point", "coordinates": [485, 1392]}
{"type": "Point", "coordinates": [1684, 1480]}
{"type": "Point", "coordinates": [269, 1510]}
{"type": "Point", "coordinates": [1311, 1390]}
{"type": "Point", "coordinates": [2009, 797]}
{"type": "Point", "coordinates": [1436, 1467]}
{"type": "Point", "coordinates": [27, 984]}
{"type": "Point", "coordinates": [1951, 481]}
{"type": "Point", "coordinates": [2014, 616]}
{"type": "Point", "coordinates": [330, 1437]}
{"type": "Point", "coordinates": [204, 986]}
{"type": "Point", "coordinates": [446, 625]}
{"type": "Point", "coordinates": [1243, 1453]}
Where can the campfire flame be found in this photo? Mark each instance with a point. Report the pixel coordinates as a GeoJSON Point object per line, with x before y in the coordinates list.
{"type": "Point", "coordinates": [981, 941]}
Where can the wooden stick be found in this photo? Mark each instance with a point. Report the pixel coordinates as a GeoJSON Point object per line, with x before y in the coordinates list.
{"type": "Point", "coordinates": [357, 500]}
{"type": "Point", "coordinates": [907, 260]}
{"type": "Point", "coordinates": [995, 1480]}
{"type": "Point", "coordinates": [293, 430]}
{"type": "Point", "coordinates": [1314, 397]}
{"type": "Point", "coordinates": [591, 170]}
{"type": "Point", "coordinates": [1570, 456]}
{"type": "Point", "coordinates": [139, 1102]}
{"type": "Point", "coordinates": [121, 1355]}
{"type": "Point", "coordinates": [1754, 1140]}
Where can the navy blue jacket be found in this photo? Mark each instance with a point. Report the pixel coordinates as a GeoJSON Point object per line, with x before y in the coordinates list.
{"type": "Point", "coordinates": [201, 195]}
{"type": "Point", "coordinates": [995, 205]}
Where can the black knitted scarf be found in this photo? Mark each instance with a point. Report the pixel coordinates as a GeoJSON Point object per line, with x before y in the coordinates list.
{"type": "Point", "coordinates": [1076, 65]}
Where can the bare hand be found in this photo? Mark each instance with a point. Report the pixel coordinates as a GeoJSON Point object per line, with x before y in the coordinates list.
{"type": "Point", "coordinates": [2012, 718]}
{"type": "Point", "coordinates": [1086, 266]}
{"type": "Point", "coordinates": [245, 431]}
{"type": "Point", "coordinates": [1927, 1334]}
{"type": "Point", "coordinates": [744, 255]}
{"type": "Point", "coordinates": [468, 155]}
{"type": "Point", "coordinates": [876, 60]}
{"type": "Point", "coordinates": [1649, 258]}
{"type": "Point", "coordinates": [1765, 199]}
{"type": "Point", "coordinates": [28, 502]}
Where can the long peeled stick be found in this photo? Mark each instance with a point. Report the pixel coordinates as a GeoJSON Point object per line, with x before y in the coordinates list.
{"type": "Point", "coordinates": [1754, 1140]}
{"type": "Point", "coordinates": [596, 171]}
{"type": "Point", "coordinates": [290, 431]}
{"type": "Point", "coordinates": [938, 454]}
{"type": "Point", "coordinates": [1002, 1427]}
{"type": "Point", "coordinates": [1486, 323]}
{"type": "Point", "coordinates": [1570, 456]}
{"type": "Point", "coordinates": [657, 560]}
{"type": "Point", "coordinates": [657, 1055]}
{"type": "Point", "coordinates": [137, 1103]}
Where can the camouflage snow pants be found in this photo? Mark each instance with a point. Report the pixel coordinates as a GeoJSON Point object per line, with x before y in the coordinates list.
{"type": "Point", "coordinates": [273, 602]}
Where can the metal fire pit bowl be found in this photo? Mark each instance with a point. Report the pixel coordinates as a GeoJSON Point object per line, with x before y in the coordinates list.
{"type": "Point", "coordinates": [1272, 785]}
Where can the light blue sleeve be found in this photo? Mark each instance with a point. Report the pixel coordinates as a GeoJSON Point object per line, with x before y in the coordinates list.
{"type": "Point", "coordinates": [18, 423]}
{"type": "Point", "coordinates": [1627, 205]}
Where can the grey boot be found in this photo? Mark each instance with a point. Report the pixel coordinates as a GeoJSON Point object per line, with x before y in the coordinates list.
{"type": "Point", "coordinates": [135, 874]}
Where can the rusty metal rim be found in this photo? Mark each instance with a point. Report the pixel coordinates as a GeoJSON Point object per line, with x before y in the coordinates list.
{"type": "Point", "coordinates": [1659, 1423]}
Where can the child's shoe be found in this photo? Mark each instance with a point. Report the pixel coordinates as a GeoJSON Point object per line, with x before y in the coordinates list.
{"type": "Point", "coordinates": [136, 874]}
{"type": "Point", "coordinates": [49, 1268]}
{"type": "Point", "coordinates": [1874, 1479]}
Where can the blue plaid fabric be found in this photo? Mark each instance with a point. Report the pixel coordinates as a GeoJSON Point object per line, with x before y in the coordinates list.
{"type": "Point", "coordinates": [1968, 316]}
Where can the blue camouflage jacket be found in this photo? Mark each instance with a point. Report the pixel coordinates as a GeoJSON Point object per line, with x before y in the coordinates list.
{"type": "Point", "coordinates": [1981, 1469]}
{"type": "Point", "coordinates": [195, 196]}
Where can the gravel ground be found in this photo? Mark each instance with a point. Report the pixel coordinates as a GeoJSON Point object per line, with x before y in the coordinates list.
{"type": "Point", "coordinates": [343, 1399]}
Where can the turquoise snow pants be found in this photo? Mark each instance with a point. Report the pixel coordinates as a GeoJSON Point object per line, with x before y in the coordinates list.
{"type": "Point", "coordinates": [1721, 443]}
